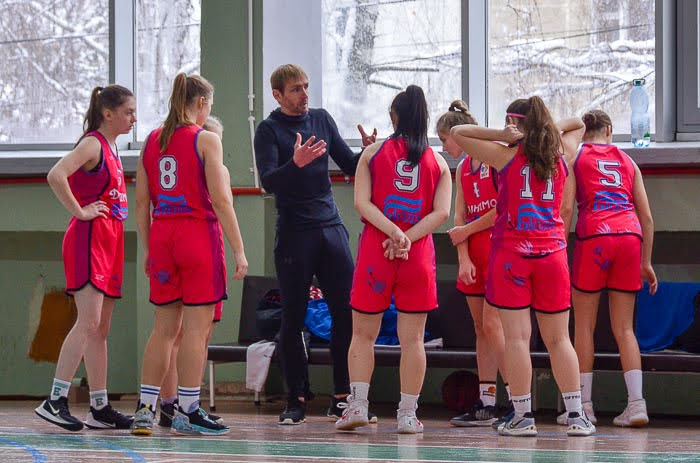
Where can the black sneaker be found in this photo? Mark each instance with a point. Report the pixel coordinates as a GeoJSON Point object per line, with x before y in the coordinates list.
{"type": "Point", "coordinates": [107, 418]}
{"type": "Point", "coordinates": [56, 412]}
{"type": "Point", "coordinates": [509, 413]}
{"type": "Point", "coordinates": [336, 412]}
{"type": "Point", "coordinates": [167, 413]}
{"type": "Point", "coordinates": [195, 423]}
{"type": "Point", "coordinates": [216, 418]}
{"type": "Point", "coordinates": [480, 415]}
{"type": "Point", "coordinates": [294, 413]}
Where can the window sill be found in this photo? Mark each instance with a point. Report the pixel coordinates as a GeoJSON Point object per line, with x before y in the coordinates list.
{"type": "Point", "coordinates": [678, 156]}
{"type": "Point", "coordinates": [38, 163]}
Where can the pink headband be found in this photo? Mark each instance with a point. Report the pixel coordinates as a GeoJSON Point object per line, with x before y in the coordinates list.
{"type": "Point", "coordinates": [516, 115]}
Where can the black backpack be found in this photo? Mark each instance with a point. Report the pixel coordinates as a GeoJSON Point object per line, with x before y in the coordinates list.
{"type": "Point", "coordinates": [268, 315]}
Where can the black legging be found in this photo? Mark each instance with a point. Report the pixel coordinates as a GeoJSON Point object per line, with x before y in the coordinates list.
{"type": "Point", "coordinates": [299, 255]}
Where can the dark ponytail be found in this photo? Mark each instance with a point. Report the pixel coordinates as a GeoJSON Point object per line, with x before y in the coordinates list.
{"type": "Point", "coordinates": [542, 141]}
{"type": "Point", "coordinates": [185, 90]}
{"type": "Point", "coordinates": [596, 120]}
{"type": "Point", "coordinates": [457, 114]}
{"type": "Point", "coordinates": [411, 111]}
{"type": "Point", "coordinates": [101, 98]}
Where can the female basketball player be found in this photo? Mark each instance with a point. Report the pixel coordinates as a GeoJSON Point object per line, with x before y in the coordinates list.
{"type": "Point", "coordinates": [89, 182]}
{"type": "Point", "coordinates": [181, 172]}
{"type": "Point", "coordinates": [475, 214]}
{"type": "Point", "coordinates": [403, 193]}
{"type": "Point", "coordinates": [528, 265]}
{"type": "Point", "coordinates": [613, 251]}
{"type": "Point", "coordinates": [168, 390]}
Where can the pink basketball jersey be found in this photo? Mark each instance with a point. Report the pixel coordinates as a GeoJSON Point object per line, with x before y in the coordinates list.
{"type": "Point", "coordinates": [176, 180]}
{"type": "Point", "coordinates": [605, 192]}
{"type": "Point", "coordinates": [528, 221]}
{"type": "Point", "coordinates": [479, 189]}
{"type": "Point", "coordinates": [404, 193]}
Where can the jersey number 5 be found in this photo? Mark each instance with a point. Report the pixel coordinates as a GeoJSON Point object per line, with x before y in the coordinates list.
{"type": "Point", "coordinates": [408, 176]}
{"type": "Point", "coordinates": [606, 168]}
{"type": "Point", "coordinates": [168, 172]}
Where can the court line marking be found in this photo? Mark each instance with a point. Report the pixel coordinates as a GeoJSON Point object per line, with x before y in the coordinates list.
{"type": "Point", "coordinates": [397, 445]}
{"type": "Point", "coordinates": [37, 456]}
{"type": "Point", "coordinates": [270, 457]}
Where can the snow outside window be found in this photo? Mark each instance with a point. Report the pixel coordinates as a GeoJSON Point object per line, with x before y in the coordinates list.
{"type": "Point", "coordinates": [167, 43]}
{"type": "Point", "coordinates": [575, 54]}
{"type": "Point", "coordinates": [374, 49]}
{"type": "Point", "coordinates": [52, 54]}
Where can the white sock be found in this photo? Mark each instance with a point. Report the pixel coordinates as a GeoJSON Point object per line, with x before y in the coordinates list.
{"type": "Point", "coordinates": [408, 402]}
{"type": "Point", "coordinates": [149, 395]}
{"type": "Point", "coordinates": [98, 399]}
{"type": "Point", "coordinates": [633, 380]}
{"type": "Point", "coordinates": [359, 390]}
{"type": "Point", "coordinates": [59, 388]}
{"type": "Point", "coordinates": [510, 397]}
{"type": "Point", "coordinates": [487, 393]}
{"type": "Point", "coordinates": [188, 397]}
{"type": "Point", "coordinates": [522, 404]}
{"type": "Point", "coordinates": [572, 402]}
{"type": "Point", "coordinates": [586, 386]}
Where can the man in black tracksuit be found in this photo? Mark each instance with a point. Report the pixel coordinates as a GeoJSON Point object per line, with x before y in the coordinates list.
{"type": "Point", "coordinates": [290, 153]}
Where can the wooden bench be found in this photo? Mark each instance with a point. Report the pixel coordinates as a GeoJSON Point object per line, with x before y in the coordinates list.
{"type": "Point", "coordinates": [453, 323]}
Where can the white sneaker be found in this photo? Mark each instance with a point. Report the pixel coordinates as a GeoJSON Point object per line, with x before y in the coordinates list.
{"type": "Point", "coordinates": [588, 410]}
{"type": "Point", "coordinates": [635, 415]}
{"type": "Point", "coordinates": [408, 422]}
{"type": "Point", "coordinates": [523, 426]}
{"type": "Point", "coordinates": [579, 425]}
{"type": "Point", "coordinates": [354, 414]}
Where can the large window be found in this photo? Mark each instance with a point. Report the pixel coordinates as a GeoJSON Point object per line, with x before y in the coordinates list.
{"type": "Point", "coordinates": [167, 43]}
{"type": "Point", "coordinates": [372, 50]}
{"type": "Point", "coordinates": [52, 54]}
{"type": "Point", "coordinates": [575, 54]}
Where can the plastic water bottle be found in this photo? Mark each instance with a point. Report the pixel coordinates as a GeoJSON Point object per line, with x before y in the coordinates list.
{"type": "Point", "coordinates": [639, 119]}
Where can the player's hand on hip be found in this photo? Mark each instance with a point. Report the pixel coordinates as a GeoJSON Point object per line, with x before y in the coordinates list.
{"type": "Point", "coordinates": [367, 139]}
{"type": "Point", "coordinates": [308, 152]}
{"type": "Point", "coordinates": [241, 266]}
{"type": "Point", "coordinates": [650, 276]}
{"type": "Point", "coordinates": [93, 210]}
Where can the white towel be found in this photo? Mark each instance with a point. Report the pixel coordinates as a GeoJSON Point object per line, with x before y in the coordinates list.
{"type": "Point", "coordinates": [258, 358]}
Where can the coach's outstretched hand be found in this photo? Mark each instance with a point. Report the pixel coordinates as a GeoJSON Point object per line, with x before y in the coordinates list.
{"type": "Point", "coordinates": [307, 153]}
{"type": "Point", "coordinates": [367, 139]}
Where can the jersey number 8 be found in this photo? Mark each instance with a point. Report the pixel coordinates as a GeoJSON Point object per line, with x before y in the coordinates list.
{"type": "Point", "coordinates": [168, 172]}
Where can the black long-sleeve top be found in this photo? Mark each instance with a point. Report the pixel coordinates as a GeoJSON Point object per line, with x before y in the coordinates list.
{"type": "Point", "coordinates": [303, 195]}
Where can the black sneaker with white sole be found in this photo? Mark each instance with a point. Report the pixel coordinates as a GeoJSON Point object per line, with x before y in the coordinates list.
{"type": "Point", "coordinates": [294, 413]}
{"type": "Point", "coordinates": [107, 418]}
{"type": "Point", "coordinates": [56, 412]}
{"type": "Point", "coordinates": [480, 415]}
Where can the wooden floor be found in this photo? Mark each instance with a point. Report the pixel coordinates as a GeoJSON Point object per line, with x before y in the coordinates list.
{"type": "Point", "coordinates": [256, 437]}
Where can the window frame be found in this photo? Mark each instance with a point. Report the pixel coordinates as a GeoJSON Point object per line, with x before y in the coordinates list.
{"type": "Point", "coordinates": [671, 72]}
{"type": "Point", "coordinates": [688, 91]}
